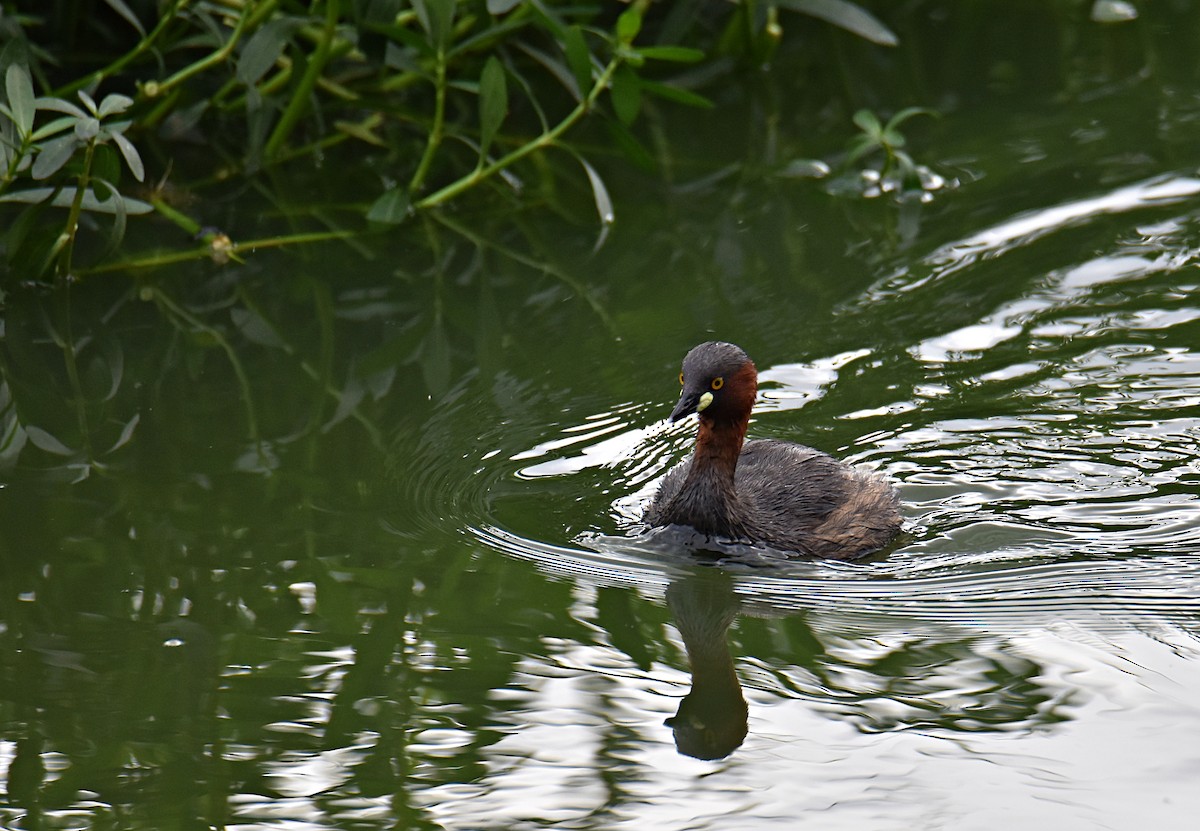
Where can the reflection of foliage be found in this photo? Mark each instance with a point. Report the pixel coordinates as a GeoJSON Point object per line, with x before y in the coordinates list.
{"type": "Point", "coordinates": [908, 681]}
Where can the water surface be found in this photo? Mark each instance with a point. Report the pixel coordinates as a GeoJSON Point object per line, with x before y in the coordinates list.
{"type": "Point", "coordinates": [405, 585]}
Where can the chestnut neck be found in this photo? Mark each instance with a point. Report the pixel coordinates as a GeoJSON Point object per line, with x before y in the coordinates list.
{"type": "Point", "coordinates": [718, 445]}
{"type": "Point", "coordinates": [708, 500]}
{"type": "Point", "coordinates": [723, 429]}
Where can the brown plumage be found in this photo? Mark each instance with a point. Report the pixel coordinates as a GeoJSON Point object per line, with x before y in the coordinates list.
{"type": "Point", "coordinates": [782, 495]}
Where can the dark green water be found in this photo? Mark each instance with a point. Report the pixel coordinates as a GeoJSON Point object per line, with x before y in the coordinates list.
{"type": "Point", "coordinates": [382, 569]}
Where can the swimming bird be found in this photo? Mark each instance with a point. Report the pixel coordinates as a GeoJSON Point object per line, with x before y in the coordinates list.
{"type": "Point", "coordinates": [788, 497]}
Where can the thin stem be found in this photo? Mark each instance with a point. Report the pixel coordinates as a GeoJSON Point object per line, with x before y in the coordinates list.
{"type": "Point", "coordinates": [72, 228]}
{"type": "Point", "coordinates": [249, 12]}
{"type": "Point", "coordinates": [525, 260]}
{"type": "Point", "coordinates": [320, 375]}
{"type": "Point", "coordinates": [120, 63]}
{"type": "Point", "coordinates": [67, 343]}
{"type": "Point", "coordinates": [544, 140]}
{"type": "Point", "coordinates": [206, 251]}
{"type": "Point", "coordinates": [244, 382]}
{"type": "Point", "coordinates": [439, 116]}
{"type": "Point", "coordinates": [299, 100]}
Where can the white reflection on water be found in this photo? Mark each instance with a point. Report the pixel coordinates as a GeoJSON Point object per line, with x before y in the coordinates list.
{"type": "Point", "coordinates": [1028, 657]}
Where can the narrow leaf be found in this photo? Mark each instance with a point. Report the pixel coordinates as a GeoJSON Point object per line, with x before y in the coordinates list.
{"type": "Point", "coordinates": [868, 122]}
{"type": "Point", "coordinates": [629, 24]}
{"type": "Point", "coordinates": [493, 103]}
{"type": "Point", "coordinates": [88, 102]}
{"type": "Point", "coordinates": [63, 197]}
{"type": "Point", "coordinates": [21, 102]}
{"type": "Point", "coordinates": [677, 94]}
{"type": "Point", "coordinates": [130, 154]}
{"type": "Point", "coordinates": [126, 432]}
{"type": "Point", "coordinates": [391, 209]}
{"type": "Point", "coordinates": [437, 19]}
{"type": "Point", "coordinates": [604, 205]}
{"type": "Point", "coordinates": [499, 7]}
{"type": "Point", "coordinates": [106, 165]}
{"type": "Point", "coordinates": [66, 122]}
{"type": "Point", "coordinates": [44, 441]}
{"type": "Point", "coordinates": [113, 104]}
{"type": "Point", "coordinates": [120, 8]}
{"type": "Point", "coordinates": [58, 105]}
{"type": "Point", "coordinates": [861, 146]}
{"type": "Point", "coordinates": [263, 50]}
{"type": "Point", "coordinates": [845, 15]}
{"type": "Point", "coordinates": [675, 54]}
{"type": "Point", "coordinates": [633, 150]}
{"type": "Point", "coordinates": [907, 113]}
{"type": "Point", "coordinates": [555, 67]}
{"type": "Point", "coordinates": [54, 154]}
{"type": "Point", "coordinates": [87, 129]}
{"type": "Point", "coordinates": [626, 94]}
{"type": "Point", "coordinates": [117, 233]}
{"type": "Point", "coordinates": [578, 59]}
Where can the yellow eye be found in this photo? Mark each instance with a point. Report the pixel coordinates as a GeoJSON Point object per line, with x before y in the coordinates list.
{"type": "Point", "coordinates": [717, 383]}
{"type": "Point", "coordinates": [681, 379]}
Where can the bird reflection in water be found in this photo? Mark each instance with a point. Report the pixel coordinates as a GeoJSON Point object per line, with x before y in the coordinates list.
{"type": "Point", "coordinates": [711, 720]}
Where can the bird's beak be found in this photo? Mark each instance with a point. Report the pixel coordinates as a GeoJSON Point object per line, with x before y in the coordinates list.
{"type": "Point", "coordinates": [690, 401]}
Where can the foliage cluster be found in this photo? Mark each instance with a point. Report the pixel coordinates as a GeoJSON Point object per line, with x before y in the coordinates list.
{"type": "Point", "coordinates": [450, 95]}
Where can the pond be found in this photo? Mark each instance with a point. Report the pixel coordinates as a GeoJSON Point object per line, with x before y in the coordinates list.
{"type": "Point", "coordinates": [334, 539]}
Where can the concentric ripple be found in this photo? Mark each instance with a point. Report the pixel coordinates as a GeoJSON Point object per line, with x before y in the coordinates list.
{"type": "Point", "coordinates": [1045, 451]}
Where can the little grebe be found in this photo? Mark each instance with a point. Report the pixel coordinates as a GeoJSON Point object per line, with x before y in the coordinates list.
{"type": "Point", "coordinates": [783, 495]}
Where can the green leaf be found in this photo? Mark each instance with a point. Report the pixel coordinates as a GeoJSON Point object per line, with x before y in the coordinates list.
{"type": "Point", "coordinates": [861, 146]}
{"type": "Point", "coordinates": [907, 113]}
{"type": "Point", "coordinates": [106, 166]}
{"type": "Point", "coordinates": [58, 105]}
{"type": "Point", "coordinates": [579, 59]}
{"type": "Point", "coordinates": [604, 206]}
{"type": "Point", "coordinates": [88, 102]}
{"type": "Point", "coordinates": [845, 15]}
{"type": "Point", "coordinates": [126, 432]}
{"type": "Point", "coordinates": [263, 49]}
{"type": "Point", "coordinates": [626, 94]}
{"type": "Point", "coordinates": [625, 141]}
{"type": "Point", "coordinates": [64, 197]}
{"type": "Point", "coordinates": [21, 102]}
{"type": "Point", "coordinates": [675, 54]}
{"type": "Point", "coordinates": [54, 154]}
{"type": "Point", "coordinates": [117, 232]}
{"type": "Point", "coordinates": [44, 441]}
{"type": "Point", "coordinates": [87, 129]}
{"type": "Point", "coordinates": [493, 102]}
{"type": "Point", "coordinates": [130, 154]}
{"type": "Point", "coordinates": [629, 24]}
{"type": "Point", "coordinates": [124, 11]}
{"type": "Point", "coordinates": [868, 122]}
{"type": "Point", "coordinates": [437, 19]}
{"type": "Point", "coordinates": [499, 7]}
{"type": "Point", "coordinates": [677, 94]}
{"type": "Point", "coordinates": [66, 122]}
{"type": "Point", "coordinates": [392, 208]}
{"type": "Point", "coordinates": [113, 104]}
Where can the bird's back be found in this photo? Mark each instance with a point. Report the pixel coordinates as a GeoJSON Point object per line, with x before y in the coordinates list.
{"type": "Point", "coordinates": [797, 499]}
